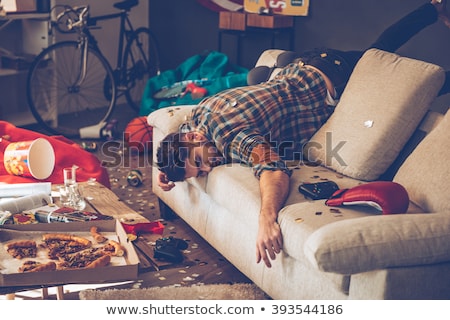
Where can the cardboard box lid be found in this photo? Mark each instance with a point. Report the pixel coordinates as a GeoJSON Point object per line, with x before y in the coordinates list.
{"type": "Point", "coordinates": [120, 269]}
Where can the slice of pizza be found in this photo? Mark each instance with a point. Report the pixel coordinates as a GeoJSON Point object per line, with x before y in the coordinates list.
{"type": "Point", "coordinates": [22, 249]}
{"type": "Point", "coordinates": [59, 245]}
{"type": "Point", "coordinates": [35, 266]}
{"type": "Point", "coordinates": [88, 258]}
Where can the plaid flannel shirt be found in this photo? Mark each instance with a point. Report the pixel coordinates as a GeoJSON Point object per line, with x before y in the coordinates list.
{"type": "Point", "coordinates": [284, 112]}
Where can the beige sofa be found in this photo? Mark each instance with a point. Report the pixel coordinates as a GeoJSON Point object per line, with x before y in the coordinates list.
{"type": "Point", "coordinates": [355, 253]}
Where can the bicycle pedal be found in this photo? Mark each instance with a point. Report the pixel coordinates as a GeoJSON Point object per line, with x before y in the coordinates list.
{"type": "Point", "coordinates": [92, 132]}
{"type": "Point", "coordinates": [109, 131]}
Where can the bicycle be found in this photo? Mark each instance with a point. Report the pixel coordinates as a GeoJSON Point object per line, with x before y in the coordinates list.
{"type": "Point", "coordinates": [72, 89]}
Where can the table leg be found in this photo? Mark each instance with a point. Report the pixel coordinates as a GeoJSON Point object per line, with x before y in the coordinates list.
{"type": "Point", "coordinates": [44, 293]}
{"type": "Point", "coordinates": [60, 293]}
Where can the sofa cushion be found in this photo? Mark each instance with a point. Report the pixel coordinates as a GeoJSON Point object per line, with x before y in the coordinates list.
{"type": "Point", "coordinates": [384, 101]}
{"type": "Point", "coordinates": [425, 172]}
{"type": "Point", "coordinates": [378, 242]}
{"type": "Point", "coordinates": [299, 221]}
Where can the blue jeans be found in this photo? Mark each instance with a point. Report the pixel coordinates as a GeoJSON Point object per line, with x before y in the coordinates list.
{"type": "Point", "coordinates": [390, 40]}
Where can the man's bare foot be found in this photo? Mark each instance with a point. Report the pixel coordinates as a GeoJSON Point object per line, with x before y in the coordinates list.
{"type": "Point", "coordinates": [442, 11]}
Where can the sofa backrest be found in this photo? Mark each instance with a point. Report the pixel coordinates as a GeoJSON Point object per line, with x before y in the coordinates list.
{"type": "Point", "coordinates": [426, 171]}
{"type": "Point", "coordinates": [384, 101]}
{"type": "Point", "coordinates": [428, 123]}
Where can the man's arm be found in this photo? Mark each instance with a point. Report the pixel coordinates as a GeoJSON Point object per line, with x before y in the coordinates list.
{"type": "Point", "coordinates": [274, 188]}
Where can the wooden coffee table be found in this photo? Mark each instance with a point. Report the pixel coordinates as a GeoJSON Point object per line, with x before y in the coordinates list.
{"type": "Point", "coordinates": [101, 199]}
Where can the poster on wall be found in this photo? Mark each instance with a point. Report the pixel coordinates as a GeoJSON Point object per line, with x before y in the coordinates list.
{"type": "Point", "coordinates": [284, 7]}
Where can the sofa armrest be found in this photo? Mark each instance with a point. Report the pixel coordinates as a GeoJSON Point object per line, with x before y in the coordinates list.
{"type": "Point", "coordinates": [268, 58]}
{"type": "Point", "coordinates": [379, 242]}
{"type": "Point", "coordinates": [169, 119]}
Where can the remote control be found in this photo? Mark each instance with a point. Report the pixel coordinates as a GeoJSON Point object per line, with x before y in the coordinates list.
{"type": "Point", "coordinates": [318, 190]}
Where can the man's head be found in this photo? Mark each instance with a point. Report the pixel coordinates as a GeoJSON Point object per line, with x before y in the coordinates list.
{"type": "Point", "coordinates": [185, 155]}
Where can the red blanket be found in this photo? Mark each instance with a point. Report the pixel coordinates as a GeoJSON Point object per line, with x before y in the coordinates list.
{"type": "Point", "coordinates": [67, 154]}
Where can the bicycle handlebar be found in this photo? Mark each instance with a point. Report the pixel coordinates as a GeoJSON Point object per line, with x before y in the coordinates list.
{"type": "Point", "coordinates": [71, 19]}
{"type": "Point", "coordinates": [82, 21]}
{"type": "Point", "coordinates": [76, 19]}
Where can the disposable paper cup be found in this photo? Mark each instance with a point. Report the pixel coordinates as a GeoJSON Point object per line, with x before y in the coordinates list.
{"type": "Point", "coordinates": [34, 158]}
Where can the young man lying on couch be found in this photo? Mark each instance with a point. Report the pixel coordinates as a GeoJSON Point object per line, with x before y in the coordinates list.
{"type": "Point", "coordinates": [251, 124]}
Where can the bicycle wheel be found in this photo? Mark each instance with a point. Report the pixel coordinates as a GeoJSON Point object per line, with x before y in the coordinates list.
{"type": "Point", "coordinates": [141, 61]}
{"type": "Point", "coordinates": [62, 99]}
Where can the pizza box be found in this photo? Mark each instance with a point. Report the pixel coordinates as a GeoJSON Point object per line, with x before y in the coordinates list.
{"type": "Point", "coordinates": [120, 268]}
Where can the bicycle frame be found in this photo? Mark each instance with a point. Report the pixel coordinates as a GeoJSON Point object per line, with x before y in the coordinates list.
{"type": "Point", "coordinates": [84, 44]}
{"type": "Point", "coordinates": [86, 39]}
{"type": "Point", "coordinates": [125, 30]}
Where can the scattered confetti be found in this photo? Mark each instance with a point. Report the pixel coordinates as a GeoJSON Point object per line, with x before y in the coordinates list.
{"type": "Point", "coordinates": [336, 212]}
{"type": "Point", "coordinates": [368, 123]}
{"type": "Point", "coordinates": [136, 285]}
{"type": "Point", "coordinates": [188, 279]}
{"type": "Point", "coordinates": [131, 237]}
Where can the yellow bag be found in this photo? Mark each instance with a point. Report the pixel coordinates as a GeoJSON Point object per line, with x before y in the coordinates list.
{"type": "Point", "coordinates": [284, 7]}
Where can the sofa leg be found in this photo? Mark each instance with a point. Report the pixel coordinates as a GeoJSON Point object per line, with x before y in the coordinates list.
{"type": "Point", "coordinates": [165, 212]}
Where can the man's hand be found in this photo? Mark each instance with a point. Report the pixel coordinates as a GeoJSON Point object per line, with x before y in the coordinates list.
{"type": "Point", "coordinates": [269, 241]}
{"type": "Point", "coordinates": [164, 183]}
{"type": "Point", "coordinates": [274, 187]}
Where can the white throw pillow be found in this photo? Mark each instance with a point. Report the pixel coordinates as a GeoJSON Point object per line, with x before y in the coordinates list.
{"type": "Point", "coordinates": [383, 103]}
